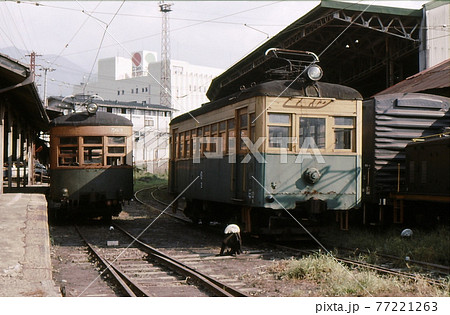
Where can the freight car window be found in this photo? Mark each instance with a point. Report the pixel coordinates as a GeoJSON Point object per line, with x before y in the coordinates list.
{"type": "Point", "coordinates": [344, 133]}
{"type": "Point", "coordinates": [313, 128]}
{"type": "Point", "coordinates": [279, 130]}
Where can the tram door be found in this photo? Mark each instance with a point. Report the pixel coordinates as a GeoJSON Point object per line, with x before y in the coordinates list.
{"type": "Point", "coordinates": [244, 165]}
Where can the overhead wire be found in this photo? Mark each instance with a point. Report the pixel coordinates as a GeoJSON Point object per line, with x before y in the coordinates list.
{"type": "Point", "coordinates": [8, 31]}
{"type": "Point", "coordinates": [155, 17]}
{"type": "Point", "coordinates": [103, 36]}
{"type": "Point", "coordinates": [213, 20]}
{"type": "Point", "coordinates": [17, 29]}
{"type": "Point", "coordinates": [73, 37]}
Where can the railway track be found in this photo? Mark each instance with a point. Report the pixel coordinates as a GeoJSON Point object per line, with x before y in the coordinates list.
{"type": "Point", "coordinates": [74, 270]}
{"type": "Point", "coordinates": [428, 267]}
{"type": "Point", "coordinates": [174, 211]}
{"type": "Point", "coordinates": [195, 248]}
{"type": "Point", "coordinates": [435, 268]}
{"type": "Point", "coordinates": [142, 270]}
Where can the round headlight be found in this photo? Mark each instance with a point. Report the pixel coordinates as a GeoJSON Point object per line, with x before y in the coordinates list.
{"type": "Point", "coordinates": [92, 108]}
{"type": "Point", "coordinates": [314, 72]}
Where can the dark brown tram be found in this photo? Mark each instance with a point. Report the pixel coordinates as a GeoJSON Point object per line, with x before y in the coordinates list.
{"type": "Point", "coordinates": [91, 165]}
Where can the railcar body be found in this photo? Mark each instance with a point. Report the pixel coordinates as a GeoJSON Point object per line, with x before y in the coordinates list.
{"type": "Point", "coordinates": [428, 167]}
{"type": "Point", "coordinates": [91, 164]}
{"type": "Point", "coordinates": [277, 149]}
{"type": "Point", "coordinates": [390, 123]}
{"type": "Point", "coordinates": [426, 193]}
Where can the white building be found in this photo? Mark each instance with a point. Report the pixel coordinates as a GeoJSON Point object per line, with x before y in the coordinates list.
{"type": "Point", "coordinates": [150, 125]}
{"type": "Point", "coordinates": [436, 34]}
{"type": "Point", "coordinates": [130, 87]}
{"type": "Point", "coordinates": [137, 79]}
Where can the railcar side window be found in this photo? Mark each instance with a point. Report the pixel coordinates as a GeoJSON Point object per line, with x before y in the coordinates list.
{"type": "Point", "coordinates": [187, 144]}
{"type": "Point", "coordinates": [231, 135]}
{"type": "Point", "coordinates": [312, 128]}
{"type": "Point", "coordinates": [213, 144]}
{"type": "Point", "coordinates": [252, 127]}
{"type": "Point", "coordinates": [181, 151]}
{"type": "Point", "coordinates": [344, 133]}
{"type": "Point", "coordinates": [206, 133]}
{"type": "Point", "coordinates": [243, 128]}
{"type": "Point", "coordinates": [223, 135]}
{"type": "Point", "coordinates": [279, 130]}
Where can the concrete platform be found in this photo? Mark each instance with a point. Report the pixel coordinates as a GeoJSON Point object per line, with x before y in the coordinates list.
{"type": "Point", "coordinates": [25, 263]}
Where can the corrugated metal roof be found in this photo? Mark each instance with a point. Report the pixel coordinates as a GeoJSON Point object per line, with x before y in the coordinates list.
{"type": "Point", "coordinates": [17, 85]}
{"type": "Point", "coordinates": [437, 77]}
{"type": "Point", "coordinates": [356, 59]}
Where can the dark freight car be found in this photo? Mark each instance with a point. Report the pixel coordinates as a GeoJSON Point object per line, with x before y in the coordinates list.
{"type": "Point", "coordinates": [390, 122]}
{"type": "Point", "coordinates": [428, 167]}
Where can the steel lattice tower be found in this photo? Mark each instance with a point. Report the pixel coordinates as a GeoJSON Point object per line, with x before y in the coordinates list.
{"type": "Point", "coordinates": [165, 95]}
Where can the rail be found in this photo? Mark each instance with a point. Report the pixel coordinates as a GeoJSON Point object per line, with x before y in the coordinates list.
{"type": "Point", "coordinates": [128, 286]}
{"type": "Point", "coordinates": [213, 285]}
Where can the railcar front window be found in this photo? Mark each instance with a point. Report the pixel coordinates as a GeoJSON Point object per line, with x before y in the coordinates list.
{"type": "Point", "coordinates": [114, 160]}
{"type": "Point", "coordinates": [344, 133]}
{"type": "Point", "coordinates": [92, 140]}
{"type": "Point", "coordinates": [116, 140]}
{"type": "Point", "coordinates": [68, 140]}
{"type": "Point", "coordinates": [68, 156]}
{"type": "Point", "coordinates": [116, 150]}
{"type": "Point", "coordinates": [312, 129]}
{"type": "Point", "coordinates": [92, 155]}
{"type": "Point", "coordinates": [279, 130]}
{"type": "Point", "coordinates": [68, 151]}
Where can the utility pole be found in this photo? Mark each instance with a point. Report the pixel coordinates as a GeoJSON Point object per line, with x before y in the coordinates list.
{"type": "Point", "coordinates": [165, 95]}
{"type": "Point", "coordinates": [45, 83]}
{"type": "Point", "coordinates": [33, 62]}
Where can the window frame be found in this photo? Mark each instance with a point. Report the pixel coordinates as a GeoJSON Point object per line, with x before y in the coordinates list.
{"type": "Point", "coordinates": [353, 135]}
{"type": "Point", "coordinates": [290, 130]}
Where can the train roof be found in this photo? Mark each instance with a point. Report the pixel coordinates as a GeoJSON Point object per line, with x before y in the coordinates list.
{"type": "Point", "coordinates": [84, 119]}
{"type": "Point", "coordinates": [275, 88]}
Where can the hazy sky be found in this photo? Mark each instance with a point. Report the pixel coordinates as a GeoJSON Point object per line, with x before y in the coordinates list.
{"type": "Point", "coordinates": [208, 33]}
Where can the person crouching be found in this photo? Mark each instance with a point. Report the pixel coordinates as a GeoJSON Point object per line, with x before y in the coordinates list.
{"type": "Point", "coordinates": [232, 241]}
